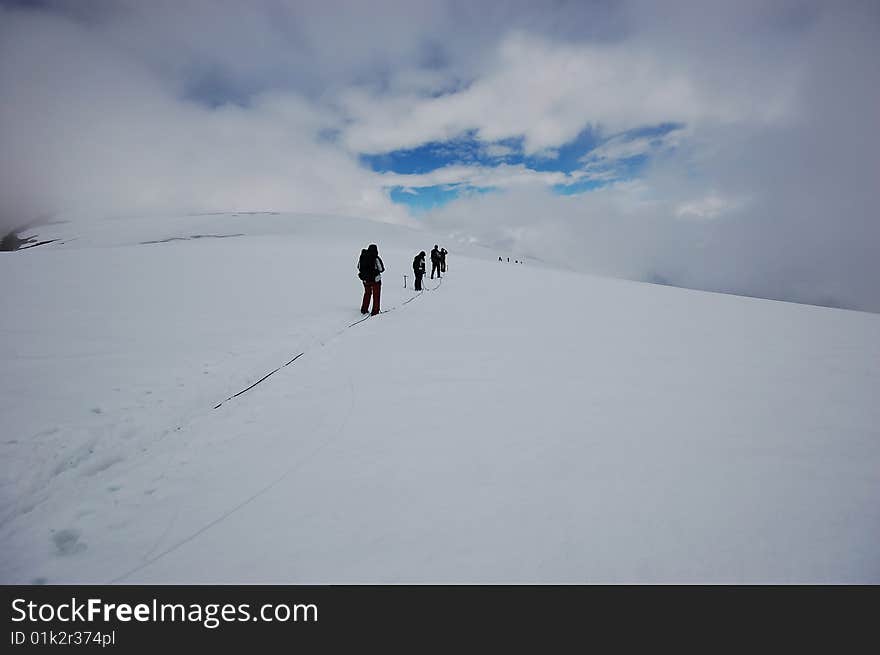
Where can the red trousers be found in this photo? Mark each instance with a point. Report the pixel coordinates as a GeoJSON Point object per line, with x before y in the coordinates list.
{"type": "Point", "coordinates": [373, 289]}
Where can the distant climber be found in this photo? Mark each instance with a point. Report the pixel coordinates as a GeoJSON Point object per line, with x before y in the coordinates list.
{"type": "Point", "coordinates": [443, 253]}
{"type": "Point", "coordinates": [419, 269]}
{"type": "Point", "coordinates": [370, 269]}
{"type": "Point", "coordinates": [435, 261]}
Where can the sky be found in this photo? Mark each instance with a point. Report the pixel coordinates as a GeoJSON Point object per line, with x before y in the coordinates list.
{"type": "Point", "coordinates": [724, 146]}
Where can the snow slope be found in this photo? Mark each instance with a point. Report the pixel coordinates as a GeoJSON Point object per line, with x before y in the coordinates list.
{"type": "Point", "coordinates": [514, 424]}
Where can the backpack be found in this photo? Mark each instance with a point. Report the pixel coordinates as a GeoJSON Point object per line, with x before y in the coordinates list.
{"type": "Point", "coordinates": [366, 267]}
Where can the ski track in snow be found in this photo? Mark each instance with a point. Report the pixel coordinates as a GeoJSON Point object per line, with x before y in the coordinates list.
{"type": "Point", "coordinates": [247, 501]}
{"type": "Point", "coordinates": [148, 560]}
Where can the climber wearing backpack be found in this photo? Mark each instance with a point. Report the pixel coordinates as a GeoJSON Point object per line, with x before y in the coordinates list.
{"type": "Point", "coordinates": [419, 269]}
{"type": "Point", "coordinates": [370, 269]}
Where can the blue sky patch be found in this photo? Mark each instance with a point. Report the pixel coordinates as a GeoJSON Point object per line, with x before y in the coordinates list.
{"type": "Point", "coordinates": [469, 150]}
{"type": "Point", "coordinates": [466, 150]}
{"type": "Point", "coordinates": [424, 199]}
{"type": "Point", "coordinates": [566, 159]}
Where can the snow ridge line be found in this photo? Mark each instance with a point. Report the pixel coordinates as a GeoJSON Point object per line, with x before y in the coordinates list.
{"type": "Point", "coordinates": [272, 372]}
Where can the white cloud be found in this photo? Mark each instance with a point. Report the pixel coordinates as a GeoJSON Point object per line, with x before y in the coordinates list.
{"type": "Point", "coordinates": [624, 147]}
{"type": "Point", "coordinates": [87, 131]}
{"type": "Point", "coordinates": [708, 207]}
{"type": "Point", "coordinates": [548, 92]}
{"type": "Point", "coordinates": [501, 176]}
{"type": "Point", "coordinates": [498, 150]}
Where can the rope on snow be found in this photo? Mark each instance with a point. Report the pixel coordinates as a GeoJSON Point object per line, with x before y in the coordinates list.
{"type": "Point", "coordinates": [236, 395]}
